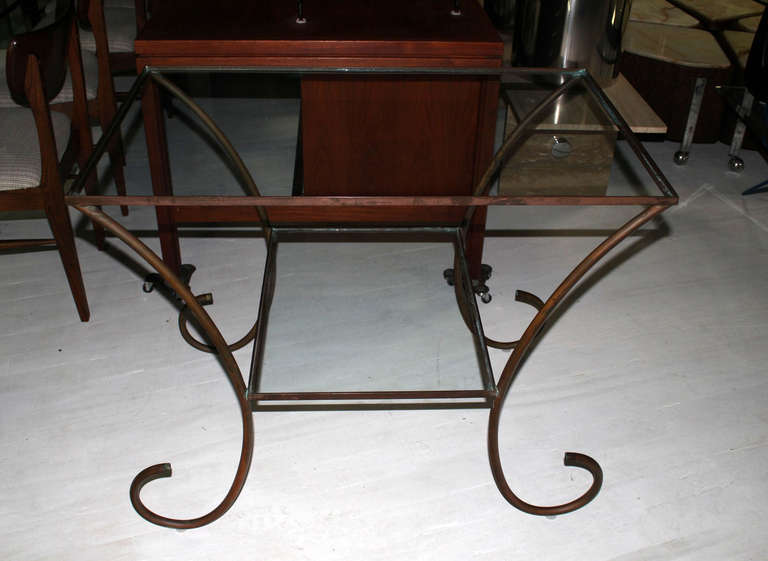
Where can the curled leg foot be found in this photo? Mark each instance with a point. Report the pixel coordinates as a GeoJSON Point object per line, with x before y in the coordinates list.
{"type": "Point", "coordinates": [151, 473]}
{"type": "Point", "coordinates": [523, 346]}
{"type": "Point", "coordinates": [159, 471]}
{"type": "Point", "coordinates": [206, 300]}
{"type": "Point", "coordinates": [571, 459]}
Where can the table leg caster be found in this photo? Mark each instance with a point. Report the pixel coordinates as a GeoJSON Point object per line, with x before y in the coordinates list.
{"type": "Point", "coordinates": [478, 285]}
{"type": "Point", "coordinates": [736, 164]}
{"type": "Point", "coordinates": [448, 276]}
{"type": "Point", "coordinates": [681, 158]}
{"type": "Point", "coordinates": [484, 293]}
{"type": "Point", "coordinates": [153, 280]}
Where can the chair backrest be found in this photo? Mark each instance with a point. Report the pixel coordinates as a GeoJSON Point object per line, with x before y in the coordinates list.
{"type": "Point", "coordinates": [90, 15]}
{"type": "Point", "coordinates": [86, 14]}
{"type": "Point", "coordinates": [50, 46]}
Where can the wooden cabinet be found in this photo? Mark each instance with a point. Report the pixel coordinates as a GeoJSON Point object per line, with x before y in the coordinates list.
{"type": "Point", "coordinates": [361, 134]}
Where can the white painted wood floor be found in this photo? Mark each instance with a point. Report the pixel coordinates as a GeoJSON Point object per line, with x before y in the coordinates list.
{"type": "Point", "coordinates": [657, 370]}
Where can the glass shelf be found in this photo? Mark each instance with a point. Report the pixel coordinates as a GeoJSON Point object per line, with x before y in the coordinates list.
{"type": "Point", "coordinates": [358, 347]}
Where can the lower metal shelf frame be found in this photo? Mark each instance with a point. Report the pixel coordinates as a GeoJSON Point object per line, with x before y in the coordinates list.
{"type": "Point", "coordinates": [488, 391]}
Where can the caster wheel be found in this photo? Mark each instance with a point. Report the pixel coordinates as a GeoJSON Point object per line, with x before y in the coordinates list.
{"type": "Point", "coordinates": [485, 272]}
{"type": "Point", "coordinates": [448, 276]}
{"type": "Point", "coordinates": [681, 158]}
{"type": "Point", "coordinates": [148, 286]}
{"type": "Point", "coordinates": [736, 164]}
{"type": "Point", "coordinates": [483, 292]}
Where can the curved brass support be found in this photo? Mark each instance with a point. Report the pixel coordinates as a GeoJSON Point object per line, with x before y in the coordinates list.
{"type": "Point", "coordinates": [205, 300]}
{"type": "Point", "coordinates": [244, 175]}
{"type": "Point", "coordinates": [229, 149]}
{"type": "Point", "coordinates": [520, 296]}
{"type": "Point", "coordinates": [526, 298]}
{"type": "Point", "coordinates": [529, 298]}
{"type": "Point", "coordinates": [230, 367]}
{"type": "Point", "coordinates": [509, 373]}
{"type": "Point", "coordinates": [523, 127]}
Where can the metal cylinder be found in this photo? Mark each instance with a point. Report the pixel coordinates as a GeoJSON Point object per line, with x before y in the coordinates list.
{"type": "Point", "coordinates": [572, 34]}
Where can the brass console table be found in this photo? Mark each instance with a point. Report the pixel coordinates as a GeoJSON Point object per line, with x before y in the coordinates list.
{"type": "Point", "coordinates": [655, 196]}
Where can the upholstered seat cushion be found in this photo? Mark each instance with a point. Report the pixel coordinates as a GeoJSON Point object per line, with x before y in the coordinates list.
{"type": "Point", "coordinates": [121, 31]}
{"type": "Point", "coordinates": [90, 71]}
{"type": "Point", "coordinates": [20, 148]}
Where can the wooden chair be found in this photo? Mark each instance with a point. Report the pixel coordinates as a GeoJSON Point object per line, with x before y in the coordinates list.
{"type": "Point", "coordinates": [30, 169]}
{"type": "Point", "coordinates": [122, 20]}
{"type": "Point", "coordinates": [100, 93]}
{"type": "Point", "coordinates": [105, 100]}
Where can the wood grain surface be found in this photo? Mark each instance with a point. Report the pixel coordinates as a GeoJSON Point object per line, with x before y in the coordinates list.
{"type": "Point", "coordinates": [378, 29]}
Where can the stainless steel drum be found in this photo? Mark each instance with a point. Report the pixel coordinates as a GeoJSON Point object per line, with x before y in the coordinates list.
{"type": "Point", "coordinates": [572, 34]}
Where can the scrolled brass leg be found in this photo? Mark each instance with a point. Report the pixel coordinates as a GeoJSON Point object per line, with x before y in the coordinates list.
{"type": "Point", "coordinates": [230, 367]}
{"type": "Point", "coordinates": [571, 459]}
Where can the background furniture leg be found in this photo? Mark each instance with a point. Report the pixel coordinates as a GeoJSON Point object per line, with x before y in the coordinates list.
{"type": "Point", "coordinates": [735, 163]}
{"type": "Point", "coordinates": [160, 168]}
{"type": "Point", "coordinates": [681, 156]}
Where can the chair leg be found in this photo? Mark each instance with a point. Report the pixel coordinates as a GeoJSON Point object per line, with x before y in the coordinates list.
{"type": "Point", "coordinates": [91, 185]}
{"type": "Point", "coordinates": [58, 218]}
{"type": "Point", "coordinates": [91, 188]}
{"type": "Point", "coordinates": [681, 156]}
{"type": "Point", "coordinates": [106, 112]}
{"type": "Point", "coordinates": [734, 162]}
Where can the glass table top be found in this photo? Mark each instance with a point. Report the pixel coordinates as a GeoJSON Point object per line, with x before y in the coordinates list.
{"type": "Point", "coordinates": [571, 148]}
{"type": "Point", "coordinates": [557, 146]}
{"type": "Point", "coordinates": [574, 148]}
